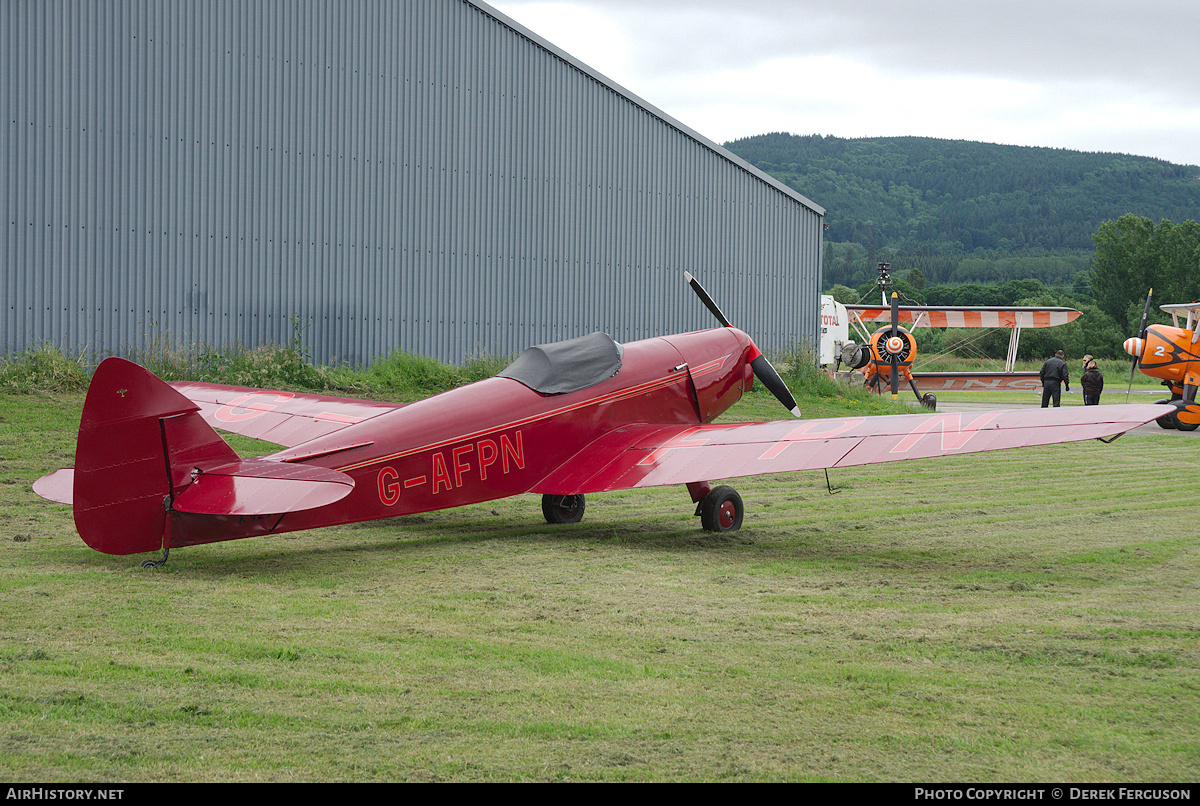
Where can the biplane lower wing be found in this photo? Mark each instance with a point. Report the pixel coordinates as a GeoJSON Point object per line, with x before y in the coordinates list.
{"type": "Point", "coordinates": [284, 418]}
{"type": "Point", "coordinates": [648, 456]}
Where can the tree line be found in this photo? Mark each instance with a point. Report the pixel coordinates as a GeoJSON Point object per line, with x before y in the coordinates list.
{"type": "Point", "coordinates": [1133, 254]}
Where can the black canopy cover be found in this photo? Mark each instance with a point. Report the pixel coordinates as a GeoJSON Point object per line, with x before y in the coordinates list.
{"type": "Point", "coordinates": [566, 366]}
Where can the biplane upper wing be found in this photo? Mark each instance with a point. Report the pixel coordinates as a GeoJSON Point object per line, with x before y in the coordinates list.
{"type": "Point", "coordinates": [1182, 307]}
{"type": "Point", "coordinates": [650, 455]}
{"type": "Point", "coordinates": [284, 418]}
{"type": "Point", "coordinates": [951, 316]}
{"type": "Point", "coordinates": [1191, 313]}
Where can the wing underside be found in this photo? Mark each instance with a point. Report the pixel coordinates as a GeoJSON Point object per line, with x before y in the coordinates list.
{"type": "Point", "coordinates": [648, 455]}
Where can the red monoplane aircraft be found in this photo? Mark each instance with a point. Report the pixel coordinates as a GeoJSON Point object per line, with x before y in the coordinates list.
{"type": "Point", "coordinates": [566, 419]}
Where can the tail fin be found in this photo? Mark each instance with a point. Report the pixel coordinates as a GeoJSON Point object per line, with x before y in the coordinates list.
{"type": "Point", "coordinates": [138, 441]}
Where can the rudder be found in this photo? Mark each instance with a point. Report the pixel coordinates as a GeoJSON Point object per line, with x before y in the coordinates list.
{"type": "Point", "coordinates": [138, 440]}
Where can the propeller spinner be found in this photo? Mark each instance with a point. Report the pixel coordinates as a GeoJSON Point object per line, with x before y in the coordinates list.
{"type": "Point", "coordinates": [763, 370]}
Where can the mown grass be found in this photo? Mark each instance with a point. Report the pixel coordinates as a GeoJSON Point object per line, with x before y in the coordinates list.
{"type": "Point", "coordinates": [1022, 615]}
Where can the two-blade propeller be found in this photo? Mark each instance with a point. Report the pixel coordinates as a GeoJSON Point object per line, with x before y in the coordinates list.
{"type": "Point", "coordinates": [894, 346]}
{"type": "Point", "coordinates": [1134, 347]}
{"type": "Point", "coordinates": [763, 370]}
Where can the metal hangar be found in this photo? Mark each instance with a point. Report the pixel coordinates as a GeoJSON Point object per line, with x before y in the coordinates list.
{"type": "Point", "coordinates": [423, 175]}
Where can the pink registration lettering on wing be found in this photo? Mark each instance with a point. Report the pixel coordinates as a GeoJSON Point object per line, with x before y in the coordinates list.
{"type": "Point", "coordinates": [805, 432]}
{"type": "Point", "coordinates": [954, 435]}
{"type": "Point", "coordinates": [240, 408]}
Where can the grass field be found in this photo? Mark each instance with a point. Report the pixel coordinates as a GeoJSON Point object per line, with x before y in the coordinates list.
{"type": "Point", "coordinates": [1025, 615]}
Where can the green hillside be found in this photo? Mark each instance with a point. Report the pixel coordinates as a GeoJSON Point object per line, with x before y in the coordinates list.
{"type": "Point", "coordinates": [968, 212]}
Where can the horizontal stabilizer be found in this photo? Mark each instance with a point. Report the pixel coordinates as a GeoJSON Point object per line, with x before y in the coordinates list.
{"type": "Point", "coordinates": [56, 486]}
{"type": "Point", "coordinates": [257, 487]}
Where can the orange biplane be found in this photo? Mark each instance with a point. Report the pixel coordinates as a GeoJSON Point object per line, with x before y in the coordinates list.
{"type": "Point", "coordinates": [1170, 353]}
{"type": "Point", "coordinates": [886, 356]}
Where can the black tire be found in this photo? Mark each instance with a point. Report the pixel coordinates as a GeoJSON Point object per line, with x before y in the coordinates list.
{"type": "Point", "coordinates": [562, 508]}
{"type": "Point", "coordinates": [722, 510]}
{"type": "Point", "coordinates": [1167, 421]}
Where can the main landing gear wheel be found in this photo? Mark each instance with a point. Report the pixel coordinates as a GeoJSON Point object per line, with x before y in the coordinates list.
{"type": "Point", "coordinates": [722, 510]}
{"type": "Point", "coordinates": [1167, 421]}
{"type": "Point", "coordinates": [562, 508]}
{"type": "Point", "coordinates": [1180, 424]}
{"type": "Point", "coordinates": [1172, 422]}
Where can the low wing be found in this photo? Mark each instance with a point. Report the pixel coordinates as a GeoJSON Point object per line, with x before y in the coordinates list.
{"type": "Point", "coordinates": [284, 418]}
{"type": "Point", "coordinates": [649, 455]}
{"type": "Point", "coordinates": [967, 317]}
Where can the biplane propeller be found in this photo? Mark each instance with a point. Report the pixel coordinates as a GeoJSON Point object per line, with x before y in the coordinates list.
{"type": "Point", "coordinates": [587, 415]}
{"type": "Point", "coordinates": [1170, 353]}
{"type": "Point", "coordinates": [1127, 346]}
{"type": "Point", "coordinates": [893, 350]}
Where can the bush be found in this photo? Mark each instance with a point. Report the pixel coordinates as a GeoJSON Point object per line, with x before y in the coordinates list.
{"type": "Point", "coordinates": [44, 369]}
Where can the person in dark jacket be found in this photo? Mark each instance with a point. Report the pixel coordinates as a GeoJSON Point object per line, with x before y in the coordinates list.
{"type": "Point", "coordinates": [1092, 382]}
{"type": "Point", "coordinates": [1054, 373]}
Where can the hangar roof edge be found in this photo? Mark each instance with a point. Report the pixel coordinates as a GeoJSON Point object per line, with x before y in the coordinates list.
{"type": "Point", "coordinates": [716, 148]}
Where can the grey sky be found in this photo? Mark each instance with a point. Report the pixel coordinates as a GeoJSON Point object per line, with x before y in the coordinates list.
{"type": "Point", "coordinates": [1103, 75]}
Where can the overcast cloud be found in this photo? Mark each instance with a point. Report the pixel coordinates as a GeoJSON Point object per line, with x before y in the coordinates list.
{"type": "Point", "coordinates": [1104, 75]}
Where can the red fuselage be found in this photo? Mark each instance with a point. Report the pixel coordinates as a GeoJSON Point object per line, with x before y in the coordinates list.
{"type": "Point", "coordinates": [498, 437]}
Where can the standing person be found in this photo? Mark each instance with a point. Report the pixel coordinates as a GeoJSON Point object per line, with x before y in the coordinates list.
{"type": "Point", "coordinates": [1092, 382]}
{"type": "Point", "coordinates": [1054, 372]}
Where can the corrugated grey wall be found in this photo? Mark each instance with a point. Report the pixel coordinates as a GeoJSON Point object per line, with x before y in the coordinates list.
{"type": "Point", "coordinates": [416, 174]}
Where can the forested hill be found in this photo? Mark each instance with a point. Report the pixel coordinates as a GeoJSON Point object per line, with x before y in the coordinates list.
{"type": "Point", "coordinates": [900, 198]}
